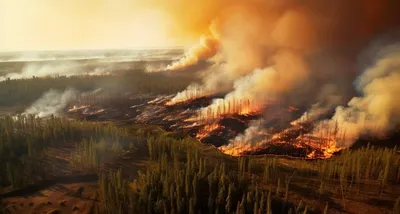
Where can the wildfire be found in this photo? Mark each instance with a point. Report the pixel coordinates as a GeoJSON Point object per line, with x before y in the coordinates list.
{"type": "Point", "coordinates": [193, 92]}
{"type": "Point", "coordinates": [235, 149]}
{"type": "Point", "coordinates": [94, 112]}
{"type": "Point", "coordinates": [301, 136]}
{"type": "Point", "coordinates": [248, 110]}
{"type": "Point", "coordinates": [312, 154]}
{"type": "Point", "coordinates": [160, 100]}
{"type": "Point", "coordinates": [236, 121]}
{"type": "Point", "coordinates": [294, 137]}
{"type": "Point", "coordinates": [322, 147]}
{"type": "Point", "coordinates": [323, 150]}
{"type": "Point", "coordinates": [206, 130]}
{"type": "Point", "coordinates": [76, 108]}
{"type": "Point", "coordinates": [293, 109]}
{"type": "Point", "coordinates": [331, 148]}
{"type": "Point", "coordinates": [86, 110]}
{"type": "Point", "coordinates": [221, 108]}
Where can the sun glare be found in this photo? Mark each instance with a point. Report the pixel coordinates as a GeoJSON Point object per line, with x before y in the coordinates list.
{"type": "Point", "coordinates": [149, 29]}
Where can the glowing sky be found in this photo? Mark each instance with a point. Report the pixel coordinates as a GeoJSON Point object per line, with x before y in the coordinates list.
{"type": "Point", "coordinates": [103, 24]}
{"type": "Point", "coordinates": [85, 24]}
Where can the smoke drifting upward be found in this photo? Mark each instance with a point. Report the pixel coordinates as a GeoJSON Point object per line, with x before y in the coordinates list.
{"type": "Point", "coordinates": [253, 90]}
{"type": "Point", "coordinates": [378, 110]}
{"type": "Point", "coordinates": [327, 99]}
{"type": "Point", "coordinates": [207, 48]}
{"type": "Point", "coordinates": [51, 103]}
{"type": "Point", "coordinates": [272, 50]}
{"type": "Point", "coordinates": [251, 33]}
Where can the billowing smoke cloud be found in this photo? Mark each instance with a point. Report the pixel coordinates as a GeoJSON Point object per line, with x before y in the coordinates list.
{"type": "Point", "coordinates": [251, 33]}
{"type": "Point", "coordinates": [207, 48]}
{"type": "Point", "coordinates": [378, 110]}
{"type": "Point", "coordinates": [51, 103]}
{"type": "Point", "coordinates": [254, 89]}
{"type": "Point", "coordinates": [305, 51]}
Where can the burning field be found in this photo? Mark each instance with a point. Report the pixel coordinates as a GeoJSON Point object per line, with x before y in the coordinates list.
{"type": "Point", "coordinates": [212, 106]}
{"type": "Point", "coordinates": [296, 78]}
{"type": "Point", "coordinates": [225, 129]}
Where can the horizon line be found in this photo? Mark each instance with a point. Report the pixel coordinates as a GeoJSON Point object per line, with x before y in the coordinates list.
{"type": "Point", "coordinates": [97, 49]}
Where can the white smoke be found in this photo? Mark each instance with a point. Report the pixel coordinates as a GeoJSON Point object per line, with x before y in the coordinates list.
{"type": "Point", "coordinates": [52, 102]}
{"type": "Point", "coordinates": [263, 84]}
{"type": "Point", "coordinates": [327, 98]}
{"type": "Point", "coordinates": [255, 135]}
{"type": "Point", "coordinates": [61, 69]}
{"type": "Point", "coordinates": [43, 70]}
{"type": "Point", "coordinates": [378, 109]}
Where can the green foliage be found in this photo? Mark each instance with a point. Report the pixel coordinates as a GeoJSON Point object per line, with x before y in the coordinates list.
{"type": "Point", "coordinates": [182, 177]}
{"type": "Point", "coordinates": [25, 141]}
{"type": "Point", "coordinates": [90, 154]}
{"type": "Point", "coordinates": [182, 181]}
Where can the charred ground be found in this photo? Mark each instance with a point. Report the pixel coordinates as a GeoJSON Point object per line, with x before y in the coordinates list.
{"type": "Point", "coordinates": [132, 152]}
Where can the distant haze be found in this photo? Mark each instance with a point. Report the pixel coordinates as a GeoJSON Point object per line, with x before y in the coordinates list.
{"type": "Point", "coordinates": [89, 24]}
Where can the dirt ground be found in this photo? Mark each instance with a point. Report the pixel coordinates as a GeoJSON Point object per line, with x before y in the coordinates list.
{"type": "Point", "coordinates": [59, 198]}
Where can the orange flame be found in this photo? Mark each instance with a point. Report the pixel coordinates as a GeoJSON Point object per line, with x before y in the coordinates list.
{"type": "Point", "coordinates": [322, 147]}
{"type": "Point", "coordinates": [222, 108]}
{"type": "Point", "coordinates": [206, 130]}
{"type": "Point", "coordinates": [76, 108]}
{"type": "Point", "coordinates": [293, 109]}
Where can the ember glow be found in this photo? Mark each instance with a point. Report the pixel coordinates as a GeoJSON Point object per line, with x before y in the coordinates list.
{"type": "Point", "coordinates": [76, 108]}
{"type": "Point", "coordinates": [295, 137]}
{"type": "Point", "coordinates": [304, 60]}
{"type": "Point", "coordinates": [221, 107]}
{"type": "Point", "coordinates": [86, 110]}
{"type": "Point", "coordinates": [193, 93]}
{"type": "Point", "coordinates": [303, 138]}
{"type": "Point", "coordinates": [207, 129]}
{"type": "Point", "coordinates": [300, 78]}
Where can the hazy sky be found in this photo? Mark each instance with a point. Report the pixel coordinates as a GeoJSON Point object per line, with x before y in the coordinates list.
{"type": "Point", "coordinates": [84, 24]}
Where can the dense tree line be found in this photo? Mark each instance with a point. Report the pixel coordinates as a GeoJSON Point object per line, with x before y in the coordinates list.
{"type": "Point", "coordinates": [185, 176]}
{"type": "Point", "coordinates": [184, 179]}
{"type": "Point", "coordinates": [25, 91]}
{"type": "Point", "coordinates": [368, 168]}
{"type": "Point", "coordinates": [89, 154]}
{"type": "Point", "coordinates": [25, 139]}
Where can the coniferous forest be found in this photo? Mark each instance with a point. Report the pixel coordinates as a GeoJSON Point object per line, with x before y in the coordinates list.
{"type": "Point", "coordinates": [59, 164]}
{"type": "Point", "coordinates": [183, 176]}
{"type": "Point", "coordinates": [200, 107]}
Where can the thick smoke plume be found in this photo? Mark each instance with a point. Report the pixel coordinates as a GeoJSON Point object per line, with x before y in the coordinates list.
{"type": "Point", "coordinates": [254, 89]}
{"type": "Point", "coordinates": [300, 52]}
{"type": "Point", "coordinates": [207, 48]}
{"type": "Point", "coordinates": [251, 33]}
{"type": "Point", "coordinates": [375, 112]}
{"type": "Point", "coordinates": [378, 110]}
